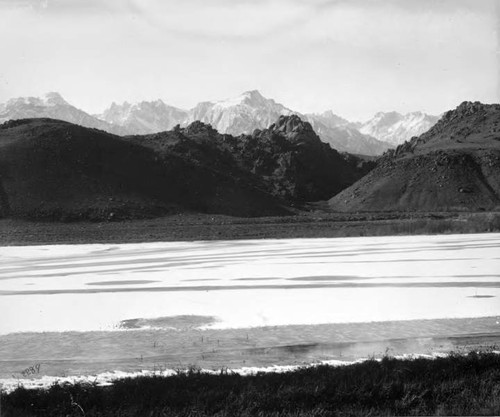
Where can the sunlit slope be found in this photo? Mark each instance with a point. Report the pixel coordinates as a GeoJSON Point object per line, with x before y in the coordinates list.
{"type": "Point", "coordinates": [454, 166]}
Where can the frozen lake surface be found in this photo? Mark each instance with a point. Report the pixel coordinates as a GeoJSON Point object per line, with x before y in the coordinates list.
{"type": "Point", "coordinates": [239, 284]}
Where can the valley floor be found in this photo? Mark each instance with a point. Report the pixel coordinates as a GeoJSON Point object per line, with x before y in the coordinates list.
{"type": "Point", "coordinates": [189, 227]}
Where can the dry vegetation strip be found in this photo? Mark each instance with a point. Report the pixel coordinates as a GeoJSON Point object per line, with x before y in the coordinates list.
{"type": "Point", "coordinates": [454, 385]}
{"type": "Point", "coordinates": [216, 227]}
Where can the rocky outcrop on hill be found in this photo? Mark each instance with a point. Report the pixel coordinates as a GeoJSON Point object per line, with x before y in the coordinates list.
{"type": "Point", "coordinates": [294, 161]}
{"type": "Point", "coordinates": [287, 160]}
{"type": "Point", "coordinates": [470, 124]}
{"type": "Point", "coordinates": [453, 166]}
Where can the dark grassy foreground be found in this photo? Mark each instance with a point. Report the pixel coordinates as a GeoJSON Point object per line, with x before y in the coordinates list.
{"type": "Point", "coordinates": [455, 385]}
{"type": "Point", "coordinates": [188, 227]}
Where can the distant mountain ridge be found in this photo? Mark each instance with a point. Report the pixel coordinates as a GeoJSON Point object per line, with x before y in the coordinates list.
{"type": "Point", "coordinates": [242, 115]}
{"type": "Point", "coordinates": [343, 136]}
{"type": "Point", "coordinates": [396, 128]}
{"type": "Point", "coordinates": [238, 115]}
{"type": "Point", "coordinates": [144, 117]}
{"type": "Point", "coordinates": [52, 105]}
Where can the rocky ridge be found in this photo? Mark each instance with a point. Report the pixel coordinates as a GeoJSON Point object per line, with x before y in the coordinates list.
{"type": "Point", "coordinates": [288, 158]}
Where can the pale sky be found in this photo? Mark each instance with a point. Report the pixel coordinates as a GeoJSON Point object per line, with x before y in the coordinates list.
{"type": "Point", "coordinates": [355, 57]}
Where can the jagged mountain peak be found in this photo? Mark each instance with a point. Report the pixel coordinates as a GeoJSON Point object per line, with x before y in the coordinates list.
{"type": "Point", "coordinates": [327, 113]}
{"type": "Point", "coordinates": [291, 124]}
{"type": "Point", "coordinates": [253, 94]}
{"type": "Point", "coordinates": [388, 116]}
{"type": "Point", "coordinates": [144, 117]}
{"type": "Point", "coordinates": [239, 115]}
{"type": "Point", "coordinates": [49, 99]}
{"type": "Point", "coordinates": [396, 128]}
{"type": "Point", "coordinates": [417, 114]}
{"type": "Point", "coordinates": [115, 105]}
{"type": "Point", "coordinates": [329, 118]}
{"type": "Point", "coordinates": [331, 115]}
{"type": "Point", "coordinates": [54, 99]}
{"type": "Point", "coordinates": [153, 103]}
{"type": "Point", "coordinates": [252, 98]}
{"type": "Point", "coordinates": [465, 108]}
{"type": "Point", "coordinates": [158, 103]}
{"type": "Point", "coordinates": [197, 127]}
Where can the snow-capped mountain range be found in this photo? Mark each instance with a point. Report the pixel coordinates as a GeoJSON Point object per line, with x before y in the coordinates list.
{"type": "Point", "coordinates": [239, 115]}
{"type": "Point", "coordinates": [242, 114]}
{"type": "Point", "coordinates": [396, 128]}
{"type": "Point", "coordinates": [144, 117]}
{"type": "Point", "coordinates": [343, 135]}
{"type": "Point", "coordinates": [52, 105]}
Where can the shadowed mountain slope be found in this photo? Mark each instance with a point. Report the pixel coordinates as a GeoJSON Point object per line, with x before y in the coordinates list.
{"type": "Point", "coordinates": [55, 170]}
{"type": "Point", "coordinates": [288, 159]}
{"type": "Point", "coordinates": [453, 166]}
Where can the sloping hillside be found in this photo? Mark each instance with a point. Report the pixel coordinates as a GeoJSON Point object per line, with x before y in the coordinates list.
{"type": "Point", "coordinates": [55, 170]}
{"type": "Point", "coordinates": [453, 166]}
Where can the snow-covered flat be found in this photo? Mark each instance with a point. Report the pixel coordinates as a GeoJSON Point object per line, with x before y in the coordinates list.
{"type": "Point", "coordinates": [250, 283]}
